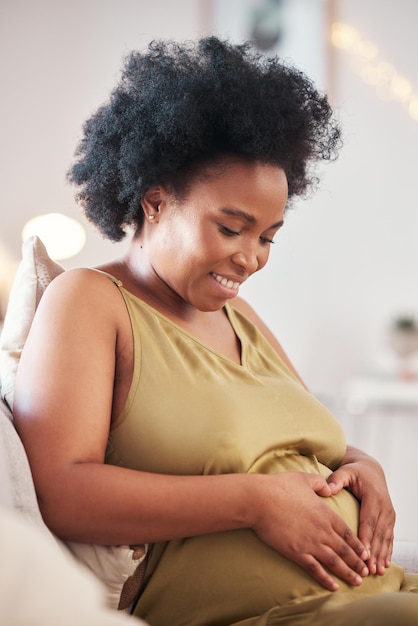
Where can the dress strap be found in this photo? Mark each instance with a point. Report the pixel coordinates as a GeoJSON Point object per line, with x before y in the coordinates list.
{"type": "Point", "coordinates": [117, 282]}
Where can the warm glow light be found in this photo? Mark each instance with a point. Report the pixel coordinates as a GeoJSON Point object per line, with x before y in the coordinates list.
{"type": "Point", "coordinates": [377, 74]}
{"type": "Point", "coordinates": [344, 36]}
{"type": "Point", "coordinates": [373, 70]}
{"type": "Point", "coordinates": [366, 50]}
{"type": "Point", "coordinates": [62, 236]}
{"type": "Point", "coordinates": [401, 88]}
{"type": "Point", "coordinates": [370, 75]}
{"type": "Point", "coordinates": [386, 72]}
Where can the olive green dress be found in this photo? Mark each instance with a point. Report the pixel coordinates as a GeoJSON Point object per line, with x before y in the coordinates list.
{"type": "Point", "coordinates": [191, 410]}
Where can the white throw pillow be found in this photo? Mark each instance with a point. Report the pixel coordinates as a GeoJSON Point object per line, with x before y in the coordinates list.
{"type": "Point", "coordinates": [35, 272]}
{"type": "Point", "coordinates": [120, 568]}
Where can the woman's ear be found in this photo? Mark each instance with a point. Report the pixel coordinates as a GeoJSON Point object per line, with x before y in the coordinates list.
{"type": "Point", "coordinates": [151, 203]}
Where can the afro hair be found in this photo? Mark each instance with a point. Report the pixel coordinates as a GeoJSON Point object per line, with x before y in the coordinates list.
{"type": "Point", "coordinates": [180, 107]}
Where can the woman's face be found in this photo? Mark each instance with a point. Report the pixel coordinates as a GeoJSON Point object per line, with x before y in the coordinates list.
{"type": "Point", "coordinates": [204, 247]}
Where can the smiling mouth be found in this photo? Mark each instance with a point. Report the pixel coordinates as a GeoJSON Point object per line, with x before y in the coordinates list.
{"type": "Point", "coordinates": [230, 284]}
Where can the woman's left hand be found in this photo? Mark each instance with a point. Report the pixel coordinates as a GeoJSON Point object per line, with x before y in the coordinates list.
{"type": "Point", "coordinates": [363, 476]}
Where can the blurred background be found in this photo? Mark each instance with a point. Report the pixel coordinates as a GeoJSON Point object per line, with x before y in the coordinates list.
{"type": "Point", "coordinates": [341, 289]}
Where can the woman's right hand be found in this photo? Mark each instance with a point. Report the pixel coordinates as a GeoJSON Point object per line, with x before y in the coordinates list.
{"type": "Point", "coordinates": [292, 517]}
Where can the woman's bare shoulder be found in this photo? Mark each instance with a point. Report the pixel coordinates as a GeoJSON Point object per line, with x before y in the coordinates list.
{"type": "Point", "coordinates": [79, 284]}
{"type": "Point", "coordinates": [80, 302]}
{"type": "Point", "coordinates": [80, 276]}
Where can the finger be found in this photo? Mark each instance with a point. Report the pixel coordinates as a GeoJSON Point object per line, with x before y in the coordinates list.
{"type": "Point", "coordinates": [345, 564]}
{"type": "Point", "coordinates": [355, 561]}
{"type": "Point", "coordinates": [320, 570]}
{"type": "Point", "coordinates": [323, 491]}
{"type": "Point", "coordinates": [344, 558]}
{"type": "Point", "coordinates": [367, 527]}
{"type": "Point", "coordinates": [361, 551]}
{"type": "Point", "coordinates": [378, 533]}
{"type": "Point", "coordinates": [320, 485]}
{"type": "Point", "coordinates": [318, 573]}
{"type": "Point", "coordinates": [382, 562]}
{"type": "Point", "coordinates": [338, 480]}
{"type": "Point", "coordinates": [389, 550]}
{"type": "Point", "coordinates": [335, 487]}
{"type": "Point", "coordinates": [381, 552]}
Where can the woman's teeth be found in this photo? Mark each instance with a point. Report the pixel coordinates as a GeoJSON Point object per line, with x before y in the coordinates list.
{"type": "Point", "coordinates": [225, 282]}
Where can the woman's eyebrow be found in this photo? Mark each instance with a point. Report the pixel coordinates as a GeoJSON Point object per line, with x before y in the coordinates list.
{"type": "Point", "coordinates": [246, 216]}
{"type": "Point", "coordinates": [238, 213]}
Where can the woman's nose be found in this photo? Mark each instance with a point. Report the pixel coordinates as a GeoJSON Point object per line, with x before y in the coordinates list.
{"type": "Point", "coordinates": [247, 259]}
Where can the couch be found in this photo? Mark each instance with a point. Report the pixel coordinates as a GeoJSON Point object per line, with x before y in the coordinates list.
{"type": "Point", "coordinates": [116, 567]}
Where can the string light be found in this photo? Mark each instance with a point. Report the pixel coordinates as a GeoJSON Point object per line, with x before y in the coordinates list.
{"type": "Point", "coordinates": [374, 70]}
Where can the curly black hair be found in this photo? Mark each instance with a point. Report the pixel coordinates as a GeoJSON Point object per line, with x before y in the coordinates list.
{"type": "Point", "coordinates": [180, 107]}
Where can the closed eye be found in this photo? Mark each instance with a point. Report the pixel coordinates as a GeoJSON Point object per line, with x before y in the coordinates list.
{"type": "Point", "coordinates": [266, 240]}
{"type": "Point", "coordinates": [228, 231]}
{"type": "Point", "coordinates": [233, 233]}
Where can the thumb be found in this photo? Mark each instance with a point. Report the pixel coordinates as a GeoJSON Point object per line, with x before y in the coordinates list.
{"type": "Point", "coordinates": [320, 486]}
{"type": "Point", "coordinates": [338, 480]}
